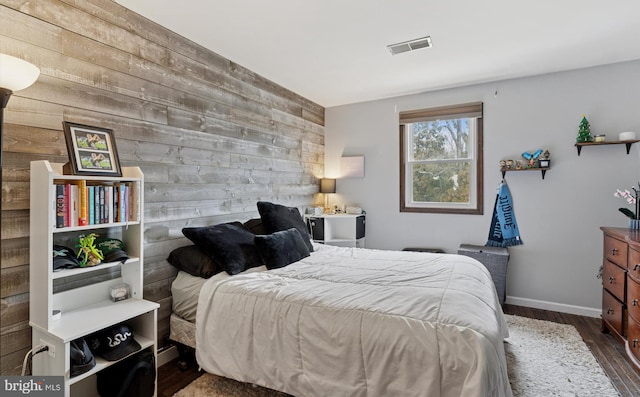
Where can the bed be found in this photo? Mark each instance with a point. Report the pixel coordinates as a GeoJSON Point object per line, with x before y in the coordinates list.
{"type": "Point", "coordinates": [336, 321]}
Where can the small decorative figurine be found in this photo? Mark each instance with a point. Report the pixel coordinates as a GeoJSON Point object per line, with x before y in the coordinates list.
{"type": "Point", "coordinates": [532, 158]}
{"type": "Point", "coordinates": [545, 159]}
{"type": "Point", "coordinates": [519, 164]}
{"type": "Point", "coordinates": [509, 164]}
{"type": "Point", "coordinates": [584, 131]}
{"type": "Point", "coordinates": [88, 253]}
{"type": "Point", "coordinates": [503, 164]}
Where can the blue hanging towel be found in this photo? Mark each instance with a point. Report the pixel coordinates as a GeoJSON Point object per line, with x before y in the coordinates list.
{"type": "Point", "coordinates": [504, 228]}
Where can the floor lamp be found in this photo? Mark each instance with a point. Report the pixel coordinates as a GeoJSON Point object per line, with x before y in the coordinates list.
{"type": "Point", "coordinates": [15, 75]}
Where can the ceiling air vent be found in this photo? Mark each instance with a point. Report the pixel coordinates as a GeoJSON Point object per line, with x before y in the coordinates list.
{"type": "Point", "coordinates": [411, 45]}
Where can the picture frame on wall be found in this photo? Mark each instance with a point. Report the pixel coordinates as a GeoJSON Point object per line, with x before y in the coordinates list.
{"type": "Point", "coordinates": [92, 150]}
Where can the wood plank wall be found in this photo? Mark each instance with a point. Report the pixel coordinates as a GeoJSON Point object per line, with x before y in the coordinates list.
{"type": "Point", "coordinates": [211, 137]}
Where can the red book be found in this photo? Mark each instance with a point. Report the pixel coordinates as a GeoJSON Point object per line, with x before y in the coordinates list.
{"type": "Point", "coordinates": [68, 206]}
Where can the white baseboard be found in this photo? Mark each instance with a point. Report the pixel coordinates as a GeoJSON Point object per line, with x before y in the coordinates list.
{"type": "Point", "coordinates": [553, 306]}
{"type": "Point", "coordinates": [167, 355]}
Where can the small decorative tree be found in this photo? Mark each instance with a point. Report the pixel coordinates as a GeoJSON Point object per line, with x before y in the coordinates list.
{"type": "Point", "coordinates": [584, 131]}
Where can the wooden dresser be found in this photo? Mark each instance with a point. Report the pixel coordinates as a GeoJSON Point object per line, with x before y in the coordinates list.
{"type": "Point", "coordinates": [621, 288]}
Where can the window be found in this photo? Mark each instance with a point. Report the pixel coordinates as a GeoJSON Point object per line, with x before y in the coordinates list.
{"type": "Point", "coordinates": [441, 159]}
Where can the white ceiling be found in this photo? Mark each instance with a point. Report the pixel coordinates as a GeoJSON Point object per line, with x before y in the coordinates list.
{"type": "Point", "coordinates": [333, 52]}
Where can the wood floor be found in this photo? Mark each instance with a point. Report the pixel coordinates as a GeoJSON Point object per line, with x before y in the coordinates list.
{"type": "Point", "coordinates": [609, 353]}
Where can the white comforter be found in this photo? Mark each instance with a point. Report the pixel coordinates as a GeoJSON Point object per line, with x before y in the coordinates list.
{"type": "Point", "coordinates": [358, 322]}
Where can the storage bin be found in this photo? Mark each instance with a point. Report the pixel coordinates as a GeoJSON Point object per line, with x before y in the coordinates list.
{"type": "Point", "coordinates": [495, 259]}
{"type": "Point", "coordinates": [424, 249]}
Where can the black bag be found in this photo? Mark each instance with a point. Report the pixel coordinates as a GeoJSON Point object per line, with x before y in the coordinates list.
{"type": "Point", "coordinates": [132, 377]}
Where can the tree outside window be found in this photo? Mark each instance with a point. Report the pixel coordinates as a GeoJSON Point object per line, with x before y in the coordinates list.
{"type": "Point", "coordinates": [441, 159]}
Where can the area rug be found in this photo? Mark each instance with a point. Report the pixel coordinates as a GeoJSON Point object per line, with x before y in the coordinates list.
{"type": "Point", "coordinates": [543, 359]}
{"type": "Point", "coordinates": [551, 359]}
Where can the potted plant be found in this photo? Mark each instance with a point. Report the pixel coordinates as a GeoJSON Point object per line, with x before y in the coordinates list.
{"type": "Point", "coordinates": [88, 253]}
{"type": "Point", "coordinates": [632, 198]}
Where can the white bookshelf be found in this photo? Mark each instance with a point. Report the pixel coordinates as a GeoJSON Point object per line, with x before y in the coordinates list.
{"type": "Point", "coordinates": [82, 294]}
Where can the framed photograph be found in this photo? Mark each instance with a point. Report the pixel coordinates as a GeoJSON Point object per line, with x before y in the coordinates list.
{"type": "Point", "coordinates": [92, 150]}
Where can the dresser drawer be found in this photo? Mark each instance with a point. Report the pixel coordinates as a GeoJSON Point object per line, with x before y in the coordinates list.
{"type": "Point", "coordinates": [613, 312]}
{"type": "Point", "coordinates": [633, 264]}
{"type": "Point", "coordinates": [633, 337]}
{"type": "Point", "coordinates": [615, 250]}
{"type": "Point", "coordinates": [614, 279]}
{"type": "Point", "coordinates": [633, 299]}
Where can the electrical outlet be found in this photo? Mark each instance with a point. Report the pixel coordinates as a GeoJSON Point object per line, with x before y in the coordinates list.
{"type": "Point", "coordinates": [51, 350]}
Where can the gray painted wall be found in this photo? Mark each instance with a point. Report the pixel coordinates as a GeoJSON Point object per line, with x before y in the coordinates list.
{"type": "Point", "coordinates": [559, 217]}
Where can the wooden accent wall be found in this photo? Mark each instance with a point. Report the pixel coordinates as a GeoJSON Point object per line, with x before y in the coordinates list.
{"type": "Point", "coordinates": [211, 137]}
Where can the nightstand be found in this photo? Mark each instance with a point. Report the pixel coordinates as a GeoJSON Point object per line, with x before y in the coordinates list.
{"type": "Point", "coordinates": [346, 230]}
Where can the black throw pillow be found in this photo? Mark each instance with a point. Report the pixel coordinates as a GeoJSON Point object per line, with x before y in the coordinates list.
{"type": "Point", "coordinates": [194, 261]}
{"type": "Point", "coordinates": [282, 248]}
{"type": "Point", "coordinates": [276, 218]}
{"type": "Point", "coordinates": [229, 245]}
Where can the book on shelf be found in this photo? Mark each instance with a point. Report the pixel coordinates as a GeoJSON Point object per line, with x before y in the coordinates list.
{"type": "Point", "coordinates": [80, 204]}
{"type": "Point", "coordinates": [100, 205]}
{"type": "Point", "coordinates": [67, 205]}
{"type": "Point", "coordinates": [83, 215]}
{"type": "Point", "coordinates": [122, 202]}
{"type": "Point", "coordinates": [96, 205]}
{"type": "Point", "coordinates": [74, 210]}
{"type": "Point", "coordinates": [60, 211]}
{"type": "Point", "coordinates": [108, 204]}
{"type": "Point", "coordinates": [134, 201]}
{"type": "Point", "coordinates": [125, 212]}
{"type": "Point", "coordinates": [91, 204]}
{"type": "Point", "coordinates": [116, 202]}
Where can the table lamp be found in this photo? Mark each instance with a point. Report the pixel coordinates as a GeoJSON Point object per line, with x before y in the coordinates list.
{"type": "Point", "coordinates": [327, 186]}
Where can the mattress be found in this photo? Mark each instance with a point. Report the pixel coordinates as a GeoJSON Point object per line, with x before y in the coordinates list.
{"type": "Point", "coordinates": [358, 322]}
{"type": "Point", "coordinates": [185, 290]}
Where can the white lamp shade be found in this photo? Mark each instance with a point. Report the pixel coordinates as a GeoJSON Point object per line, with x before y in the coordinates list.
{"type": "Point", "coordinates": [16, 74]}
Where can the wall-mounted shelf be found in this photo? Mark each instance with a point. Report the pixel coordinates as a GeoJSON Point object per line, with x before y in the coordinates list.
{"type": "Point", "coordinates": [628, 144]}
{"type": "Point", "coordinates": [543, 170]}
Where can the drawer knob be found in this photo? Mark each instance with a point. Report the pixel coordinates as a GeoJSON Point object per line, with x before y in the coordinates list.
{"type": "Point", "coordinates": [611, 279]}
{"type": "Point", "coordinates": [636, 266]}
{"type": "Point", "coordinates": [614, 251]}
{"type": "Point", "coordinates": [634, 302]}
{"type": "Point", "coordinates": [635, 343]}
{"type": "Point", "coordinates": [609, 311]}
